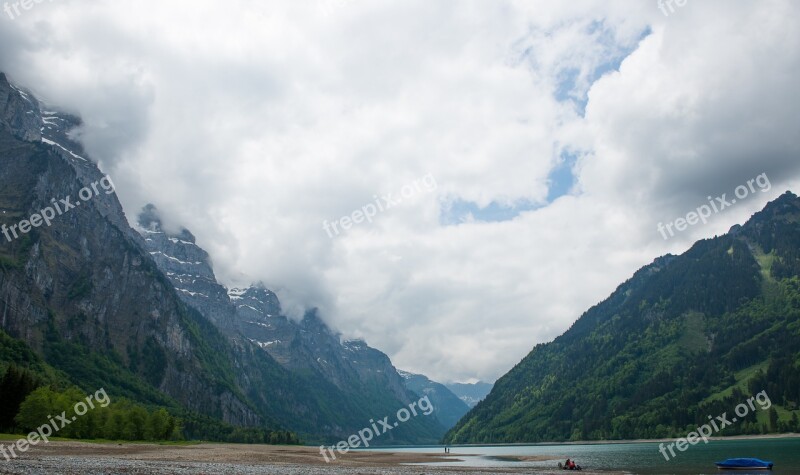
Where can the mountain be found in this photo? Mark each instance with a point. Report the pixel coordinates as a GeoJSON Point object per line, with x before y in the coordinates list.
{"type": "Point", "coordinates": [358, 380]}
{"type": "Point", "coordinates": [686, 337]}
{"type": "Point", "coordinates": [78, 290]}
{"type": "Point", "coordinates": [448, 408]}
{"type": "Point", "coordinates": [188, 268]}
{"type": "Point", "coordinates": [88, 300]}
{"type": "Point", "coordinates": [470, 393]}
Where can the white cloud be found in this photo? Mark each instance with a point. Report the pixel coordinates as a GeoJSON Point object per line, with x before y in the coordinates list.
{"type": "Point", "coordinates": [251, 123]}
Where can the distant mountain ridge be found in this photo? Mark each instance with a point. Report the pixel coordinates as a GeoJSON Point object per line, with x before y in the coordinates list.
{"type": "Point", "coordinates": [447, 407]}
{"type": "Point", "coordinates": [685, 337]}
{"type": "Point", "coordinates": [470, 393]}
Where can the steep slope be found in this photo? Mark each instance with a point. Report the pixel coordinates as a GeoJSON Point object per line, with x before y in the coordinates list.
{"type": "Point", "coordinates": [323, 388]}
{"type": "Point", "coordinates": [187, 266]}
{"type": "Point", "coordinates": [81, 292]}
{"type": "Point", "coordinates": [470, 393]}
{"type": "Point", "coordinates": [448, 408]}
{"type": "Point", "coordinates": [685, 337]}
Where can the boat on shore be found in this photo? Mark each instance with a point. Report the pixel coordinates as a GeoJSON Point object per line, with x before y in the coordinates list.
{"type": "Point", "coordinates": [744, 464]}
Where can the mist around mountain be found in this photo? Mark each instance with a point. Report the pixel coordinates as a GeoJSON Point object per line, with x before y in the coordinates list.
{"type": "Point", "coordinates": [349, 375]}
{"type": "Point", "coordinates": [90, 302]}
{"type": "Point", "coordinates": [686, 338]}
{"type": "Point", "coordinates": [470, 393]}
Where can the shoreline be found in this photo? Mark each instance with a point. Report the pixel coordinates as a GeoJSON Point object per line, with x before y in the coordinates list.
{"type": "Point", "coordinates": [788, 435]}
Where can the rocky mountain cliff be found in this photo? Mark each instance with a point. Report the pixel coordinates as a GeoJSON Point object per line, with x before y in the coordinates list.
{"type": "Point", "coordinates": [81, 291]}
{"type": "Point", "coordinates": [140, 313]}
{"type": "Point", "coordinates": [188, 267]}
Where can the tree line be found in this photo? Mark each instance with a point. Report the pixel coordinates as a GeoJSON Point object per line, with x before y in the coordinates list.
{"type": "Point", "coordinates": [26, 403]}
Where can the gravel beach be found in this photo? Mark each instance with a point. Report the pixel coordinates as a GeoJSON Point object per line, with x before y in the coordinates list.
{"type": "Point", "coordinates": [75, 458]}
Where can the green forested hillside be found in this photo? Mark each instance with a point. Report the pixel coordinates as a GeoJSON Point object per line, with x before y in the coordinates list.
{"type": "Point", "coordinates": [686, 337]}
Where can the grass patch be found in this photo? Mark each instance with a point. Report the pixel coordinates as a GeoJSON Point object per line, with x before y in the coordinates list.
{"type": "Point", "coordinates": [694, 336]}
{"type": "Point", "coordinates": [131, 442]}
{"type": "Point", "coordinates": [113, 442]}
{"type": "Point", "coordinates": [765, 261]}
{"type": "Point", "coordinates": [742, 378]}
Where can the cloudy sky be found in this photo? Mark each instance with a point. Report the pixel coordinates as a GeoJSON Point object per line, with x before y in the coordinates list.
{"type": "Point", "coordinates": [534, 146]}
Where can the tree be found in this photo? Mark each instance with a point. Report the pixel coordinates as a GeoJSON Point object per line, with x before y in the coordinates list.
{"type": "Point", "coordinates": [157, 425]}
{"type": "Point", "coordinates": [135, 421]}
{"type": "Point", "coordinates": [773, 419]}
{"type": "Point", "coordinates": [175, 428]}
{"type": "Point", "coordinates": [114, 424]}
{"type": "Point", "coordinates": [38, 408]}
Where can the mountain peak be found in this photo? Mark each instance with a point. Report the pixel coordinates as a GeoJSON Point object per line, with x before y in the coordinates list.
{"type": "Point", "coordinates": [788, 204]}
{"type": "Point", "coordinates": [785, 208]}
{"type": "Point", "coordinates": [150, 221]}
{"type": "Point", "coordinates": [149, 218]}
{"type": "Point", "coordinates": [405, 374]}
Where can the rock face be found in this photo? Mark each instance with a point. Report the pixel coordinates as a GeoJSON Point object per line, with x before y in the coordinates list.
{"type": "Point", "coordinates": [310, 345]}
{"type": "Point", "coordinates": [188, 268]}
{"type": "Point", "coordinates": [82, 289]}
{"type": "Point", "coordinates": [20, 112]}
{"type": "Point", "coordinates": [140, 312]}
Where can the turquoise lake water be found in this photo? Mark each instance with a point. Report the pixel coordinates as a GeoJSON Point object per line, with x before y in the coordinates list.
{"type": "Point", "coordinates": [635, 458]}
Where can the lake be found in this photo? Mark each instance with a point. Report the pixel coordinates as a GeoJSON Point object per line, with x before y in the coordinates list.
{"type": "Point", "coordinates": [636, 458]}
